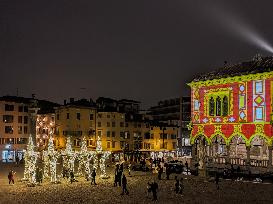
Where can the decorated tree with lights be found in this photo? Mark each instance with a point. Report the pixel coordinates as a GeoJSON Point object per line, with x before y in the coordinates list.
{"type": "Point", "coordinates": [100, 158]}
{"type": "Point", "coordinates": [30, 157]}
{"type": "Point", "coordinates": [84, 157]}
{"type": "Point", "coordinates": [69, 156]}
{"type": "Point", "coordinates": [51, 158]}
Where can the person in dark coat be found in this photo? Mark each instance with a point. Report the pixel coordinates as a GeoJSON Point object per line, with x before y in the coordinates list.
{"type": "Point", "coordinates": [217, 180]}
{"type": "Point", "coordinates": [72, 177]}
{"type": "Point", "coordinates": [187, 167]}
{"type": "Point", "coordinates": [181, 186]}
{"type": "Point", "coordinates": [116, 175]}
{"type": "Point", "coordinates": [11, 176]}
{"type": "Point", "coordinates": [160, 171]}
{"type": "Point", "coordinates": [168, 172]}
{"type": "Point", "coordinates": [176, 185]}
{"type": "Point", "coordinates": [93, 177]}
{"type": "Point", "coordinates": [154, 188]}
{"type": "Point", "coordinates": [124, 185]}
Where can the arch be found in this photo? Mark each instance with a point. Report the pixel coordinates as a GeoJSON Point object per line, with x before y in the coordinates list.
{"type": "Point", "coordinates": [193, 139]}
{"type": "Point", "coordinates": [220, 135]}
{"type": "Point", "coordinates": [261, 136]}
{"type": "Point", "coordinates": [238, 135]}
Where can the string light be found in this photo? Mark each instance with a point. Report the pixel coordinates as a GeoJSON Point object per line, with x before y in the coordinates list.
{"type": "Point", "coordinates": [69, 156]}
{"type": "Point", "coordinates": [30, 162]}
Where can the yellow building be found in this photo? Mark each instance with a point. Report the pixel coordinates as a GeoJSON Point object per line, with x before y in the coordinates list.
{"type": "Point", "coordinates": [160, 139]}
{"type": "Point", "coordinates": [75, 120]}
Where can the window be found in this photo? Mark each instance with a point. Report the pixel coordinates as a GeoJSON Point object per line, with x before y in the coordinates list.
{"type": "Point", "coordinates": [8, 118]}
{"type": "Point", "coordinates": [99, 124]}
{"type": "Point", "coordinates": [225, 106]}
{"type": "Point", "coordinates": [58, 117]}
{"type": "Point", "coordinates": [108, 124]}
{"type": "Point", "coordinates": [113, 144]}
{"type": "Point", "coordinates": [20, 108]}
{"type": "Point", "coordinates": [25, 120]}
{"type": "Point", "coordinates": [91, 117]}
{"type": "Point", "coordinates": [113, 124]}
{"type": "Point", "coordinates": [174, 145]}
{"type": "Point", "coordinates": [78, 116]}
{"type": "Point", "coordinates": [113, 134]}
{"type": "Point", "coordinates": [173, 136]}
{"type": "Point", "coordinates": [126, 124]}
{"type": "Point", "coordinates": [121, 144]}
{"type": "Point", "coordinates": [9, 107]}
{"type": "Point", "coordinates": [8, 129]}
{"type": "Point", "coordinates": [25, 129]}
{"type": "Point", "coordinates": [25, 109]}
{"type": "Point", "coordinates": [99, 115]}
{"type": "Point", "coordinates": [127, 135]}
{"type": "Point", "coordinates": [121, 124]}
{"type": "Point", "coordinates": [99, 133]}
{"type": "Point", "coordinates": [211, 106]}
{"type": "Point", "coordinates": [108, 145]}
{"type": "Point", "coordinates": [67, 115]}
{"type": "Point", "coordinates": [20, 119]}
{"type": "Point", "coordinates": [218, 106]}
{"type": "Point", "coordinates": [121, 134]}
{"type": "Point", "coordinates": [108, 133]}
{"type": "Point", "coordinates": [20, 130]}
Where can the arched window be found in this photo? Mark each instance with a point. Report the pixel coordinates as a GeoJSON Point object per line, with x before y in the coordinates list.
{"type": "Point", "coordinates": [218, 106]}
{"type": "Point", "coordinates": [225, 106]}
{"type": "Point", "coordinates": [211, 106]}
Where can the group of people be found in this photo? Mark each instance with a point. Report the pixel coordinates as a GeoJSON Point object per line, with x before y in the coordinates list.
{"type": "Point", "coordinates": [120, 178]}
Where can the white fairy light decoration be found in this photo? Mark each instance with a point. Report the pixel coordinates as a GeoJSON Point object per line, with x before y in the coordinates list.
{"type": "Point", "coordinates": [69, 156]}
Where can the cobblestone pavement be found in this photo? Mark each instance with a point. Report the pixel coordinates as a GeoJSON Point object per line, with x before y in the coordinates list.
{"type": "Point", "coordinates": [196, 191]}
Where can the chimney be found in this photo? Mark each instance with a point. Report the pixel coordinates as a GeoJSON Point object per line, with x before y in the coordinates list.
{"type": "Point", "coordinates": [71, 100]}
{"type": "Point", "coordinates": [64, 102]}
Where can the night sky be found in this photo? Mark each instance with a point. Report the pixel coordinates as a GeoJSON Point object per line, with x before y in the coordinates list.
{"type": "Point", "coordinates": [142, 50]}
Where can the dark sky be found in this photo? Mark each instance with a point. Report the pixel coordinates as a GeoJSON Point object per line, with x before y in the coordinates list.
{"type": "Point", "coordinates": [142, 50]}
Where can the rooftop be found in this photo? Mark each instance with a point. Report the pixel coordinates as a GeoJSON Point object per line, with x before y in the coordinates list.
{"type": "Point", "coordinates": [257, 65]}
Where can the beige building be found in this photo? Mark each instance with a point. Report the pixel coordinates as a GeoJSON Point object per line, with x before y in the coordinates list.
{"type": "Point", "coordinates": [75, 120]}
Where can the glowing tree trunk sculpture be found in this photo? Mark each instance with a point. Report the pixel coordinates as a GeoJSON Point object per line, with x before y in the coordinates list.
{"type": "Point", "coordinates": [103, 155]}
{"type": "Point", "coordinates": [84, 157]}
{"type": "Point", "coordinates": [46, 164]}
{"type": "Point", "coordinates": [30, 162]}
{"type": "Point", "coordinates": [69, 156]}
{"type": "Point", "coordinates": [51, 160]}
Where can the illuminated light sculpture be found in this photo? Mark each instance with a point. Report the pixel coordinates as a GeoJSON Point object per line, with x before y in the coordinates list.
{"type": "Point", "coordinates": [100, 159]}
{"type": "Point", "coordinates": [46, 164]}
{"type": "Point", "coordinates": [30, 157]}
{"type": "Point", "coordinates": [51, 158]}
{"type": "Point", "coordinates": [69, 156]}
{"type": "Point", "coordinates": [84, 157]}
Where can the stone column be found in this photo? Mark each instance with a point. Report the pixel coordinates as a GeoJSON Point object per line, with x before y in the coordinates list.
{"type": "Point", "coordinates": [270, 157]}
{"type": "Point", "coordinates": [33, 110]}
{"type": "Point", "coordinates": [228, 154]}
{"type": "Point", "coordinates": [248, 156]}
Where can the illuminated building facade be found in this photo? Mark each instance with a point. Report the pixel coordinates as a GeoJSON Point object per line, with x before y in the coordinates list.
{"type": "Point", "coordinates": [232, 115]}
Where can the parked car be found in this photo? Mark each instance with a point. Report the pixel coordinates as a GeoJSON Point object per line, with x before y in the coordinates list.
{"type": "Point", "coordinates": [176, 168]}
{"type": "Point", "coordinates": [140, 167]}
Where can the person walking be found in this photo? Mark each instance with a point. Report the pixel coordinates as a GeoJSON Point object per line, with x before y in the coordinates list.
{"type": "Point", "coordinates": [120, 171]}
{"type": "Point", "coordinates": [168, 172]}
{"type": "Point", "coordinates": [17, 160]}
{"type": "Point", "coordinates": [129, 168]}
{"type": "Point", "coordinates": [187, 167]}
{"type": "Point", "coordinates": [181, 186]}
{"type": "Point", "coordinates": [160, 171]}
{"type": "Point", "coordinates": [93, 177]}
{"type": "Point", "coordinates": [217, 180]}
{"type": "Point", "coordinates": [11, 176]}
{"type": "Point", "coordinates": [124, 185]}
{"type": "Point", "coordinates": [72, 177]}
{"type": "Point", "coordinates": [176, 185]}
{"type": "Point", "coordinates": [154, 188]}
